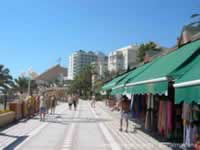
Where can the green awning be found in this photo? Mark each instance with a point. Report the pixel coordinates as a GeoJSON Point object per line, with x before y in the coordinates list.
{"type": "Point", "coordinates": [187, 87]}
{"type": "Point", "coordinates": [120, 87]}
{"type": "Point", "coordinates": [187, 94]}
{"type": "Point", "coordinates": [154, 78]}
{"type": "Point", "coordinates": [118, 91]}
{"type": "Point", "coordinates": [112, 83]}
{"type": "Point", "coordinates": [153, 88]}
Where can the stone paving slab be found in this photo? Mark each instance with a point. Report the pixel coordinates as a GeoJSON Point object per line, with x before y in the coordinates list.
{"type": "Point", "coordinates": [19, 132]}
{"type": "Point", "coordinates": [137, 140]}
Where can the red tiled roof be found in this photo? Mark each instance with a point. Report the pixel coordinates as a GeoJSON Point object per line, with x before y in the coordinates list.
{"type": "Point", "coordinates": [52, 73]}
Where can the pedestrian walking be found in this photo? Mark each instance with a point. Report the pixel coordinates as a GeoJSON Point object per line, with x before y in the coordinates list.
{"type": "Point", "coordinates": [70, 101]}
{"type": "Point", "coordinates": [30, 105]}
{"type": "Point", "coordinates": [75, 101]}
{"type": "Point", "coordinates": [93, 102]}
{"type": "Point", "coordinates": [42, 108]}
{"type": "Point", "coordinates": [47, 100]}
{"type": "Point", "coordinates": [53, 104]}
{"type": "Point", "coordinates": [125, 109]}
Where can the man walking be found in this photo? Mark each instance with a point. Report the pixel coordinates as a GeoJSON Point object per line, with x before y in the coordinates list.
{"type": "Point", "coordinates": [75, 101]}
{"type": "Point", "coordinates": [53, 104]}
{"type": "Point", "coordinates": [42, 108]}
{"type": "Point", "coordinates": [93, 101]}
{"type": "Point", "coordinates": [125, 108]}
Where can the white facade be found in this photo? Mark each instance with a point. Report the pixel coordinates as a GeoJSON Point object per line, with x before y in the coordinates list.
{"type": "Point", "coordinates": [122, 58]}
{"type": "Point", "coordinates": [101, 64]}
{"type": "Point", "coordinates": [70, 68]}
{"type": "Point", "coordinates": [78, 60]}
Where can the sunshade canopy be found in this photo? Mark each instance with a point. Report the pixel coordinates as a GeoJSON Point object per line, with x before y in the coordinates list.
{"type": "Point", "coordinates": [187, 87]}
{"type": "Point", "coordinates": [120, 87]}
{"type": "Point", "coordinates": [154, 78]}
{"type": "Point", "coordinates": [112, 83]}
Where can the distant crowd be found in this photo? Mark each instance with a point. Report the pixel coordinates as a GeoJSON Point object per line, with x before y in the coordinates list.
{"type": "Point", "coordinates": [45, 102]}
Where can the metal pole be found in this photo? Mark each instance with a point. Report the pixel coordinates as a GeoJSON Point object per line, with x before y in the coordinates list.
{"type": "Point", "coordinates": [29, 87]}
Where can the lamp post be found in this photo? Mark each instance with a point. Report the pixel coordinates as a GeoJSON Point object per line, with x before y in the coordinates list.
{"type": "Point", "coordinates": [29, 82]}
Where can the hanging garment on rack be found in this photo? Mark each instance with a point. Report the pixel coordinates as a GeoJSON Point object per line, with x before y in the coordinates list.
{"type": "Point", "coordinates": [132, 105]}
{"type": "Point", "coordinates": [184, 131]}
{"type": "Point", "coordinates": [186, 112]}
{"type": "Point", "coordinates": [139, 106]}
{"type": "Point", "coordinates": [169, 118]}
{"type": "Point", "coordinates": [194, 134]}
{"type": "Point", "coordinates": [148, 114]}
{"type": "Point", "coordinates": [143, 103]}
{"type": "Point", "coordinates": [188, 135]}
{"type": "Point", "coordinates": [151, 110]}
{"type": "Point", "coordinates": [163, 122]}
{"type": "Point", "coordinates": [135, 106]}
{"type": "Point", "coordinates": [160, 117]}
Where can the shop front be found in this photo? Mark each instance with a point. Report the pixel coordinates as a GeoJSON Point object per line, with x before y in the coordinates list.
{"type": "Point", "coordinates": [151, 87]}
{"type": "Point", "coordinates": [187, 94]}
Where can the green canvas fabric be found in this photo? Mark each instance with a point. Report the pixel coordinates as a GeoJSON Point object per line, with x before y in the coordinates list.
{"type": "Point", "coordinates": [191, 72]}
{"type": "Point", "coordinates": [164, 67]}
{"type": "Point", "coordinates": [118, 91]}
{"type": "Point", "coordinates": [112, 83]}
{"type": "Point", "coordinates": [187, 94]}
{"type": "Point", "coordinates": [132, 74]}
{"type": "Point", "coordinates": [151, 88]}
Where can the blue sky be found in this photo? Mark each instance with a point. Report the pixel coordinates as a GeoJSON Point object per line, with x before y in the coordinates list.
{"type": "Point", "coordinates": [35, 33]}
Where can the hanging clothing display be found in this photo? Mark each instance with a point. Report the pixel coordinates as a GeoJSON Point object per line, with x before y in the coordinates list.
{"type": "Point", "coordinates": [165, 121]}
{"type": "Point", "coordinates": [191, 123]}
{"type": "Point", "coordinates": [151, 119]}
{"type": "Point", "coordinates": [186, 112]}
{"type": "Point", "coordinates": [169, 118]}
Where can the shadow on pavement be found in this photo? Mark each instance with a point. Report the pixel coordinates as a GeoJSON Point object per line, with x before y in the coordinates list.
{"type": "Point", "coordinates": [15, 143]}
{"type": "Point", "coordinates": [68, 120]}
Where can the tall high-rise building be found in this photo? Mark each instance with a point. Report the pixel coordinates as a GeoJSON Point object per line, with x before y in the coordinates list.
{"type": "Point", "coordinates": [78, 60]}
{"type": "Point", "coordinates": [100, 66]}
{"type": "Point", "coordinates": [122, 58]}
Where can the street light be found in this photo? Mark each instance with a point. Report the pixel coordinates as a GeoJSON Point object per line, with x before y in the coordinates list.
{"type": "Point", "coordinates": [29, 82]}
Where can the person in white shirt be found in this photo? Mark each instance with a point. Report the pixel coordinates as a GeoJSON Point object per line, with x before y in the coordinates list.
{"type": "Point", "coordinates": [42, 108]}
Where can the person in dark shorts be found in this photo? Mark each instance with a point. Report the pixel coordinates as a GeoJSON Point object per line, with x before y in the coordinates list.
{"type": "Point", "coordinates": [70, 101]}
{"type": "Point", "coordinates": [125, 109]}
{"type": "Point", "coordinates": [75, 101]}
{"type": "Point", "coordinates": [42, 108]}
{"type": "Point", "coordinates": [53, 104]}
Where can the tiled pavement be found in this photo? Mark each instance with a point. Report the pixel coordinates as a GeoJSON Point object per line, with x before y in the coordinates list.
{"type": "Point", "coordinates": [17, 133]}
{"type": "Point", "coordinates": [85, 129]}
{"type": "Point", "coordinates": [129, 141]}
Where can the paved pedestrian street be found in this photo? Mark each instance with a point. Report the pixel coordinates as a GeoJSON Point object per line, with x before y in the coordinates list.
{"type": "Point", "coordinates": [85, 129]}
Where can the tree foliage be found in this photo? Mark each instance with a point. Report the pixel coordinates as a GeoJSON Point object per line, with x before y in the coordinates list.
{"type": "Point", "coordinates": [6, 83]}
{"type": "Point", "coordinates": [144, 48]}
{"type": "Point", "coordinates": [21, 84]}
{"type": "Point", "coordinates": [82, 84]}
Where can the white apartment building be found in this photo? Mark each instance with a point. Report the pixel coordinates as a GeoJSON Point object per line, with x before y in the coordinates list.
{"type": "Point", "coordinates": [101, 64]}
{"type": "Point", "coordinates": [122, 58]}
{"type": "Point", "coordinates": [78, 60]}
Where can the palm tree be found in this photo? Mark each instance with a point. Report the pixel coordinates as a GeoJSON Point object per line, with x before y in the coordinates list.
{"type": "Point", "coordinates": [146, 47]}
{"type": "Point", "coordinates": [21, 84]}
{"type": "Point", "coordinates": [6, 83]}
